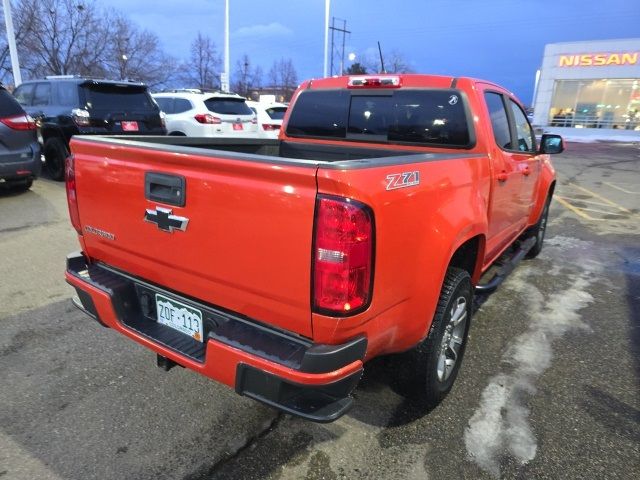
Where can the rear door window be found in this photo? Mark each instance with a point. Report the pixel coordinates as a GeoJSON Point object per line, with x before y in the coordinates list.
{"type": "Point", "coordinates": [228, 106]}
{"type": "Point", "coordinates": [42, 94]}
{"type": "Point", "coordinates": [499, 120]}
{"type": "Point", "coordinates": [119, 98]}
{"type": "Point", "coordinates": [430, 117]}
{"type": "Point", "coordinates": [9, 106]}
{"type": "Point", "coordinates": [165, 104]}
{"type": "Point", "coordinates": [181, 105]}
{"type": "Point", "coordinates": [67, 94]}
{"type": "Point", "coordinates": [24, 94]}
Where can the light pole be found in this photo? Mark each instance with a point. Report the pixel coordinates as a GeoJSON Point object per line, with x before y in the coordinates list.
{"type": "Point", "coordinates": [11, 40]}
{"type": "Point", "coordinates": [224, 78]}
{"type": "Point", "coordinates": [327, 7]}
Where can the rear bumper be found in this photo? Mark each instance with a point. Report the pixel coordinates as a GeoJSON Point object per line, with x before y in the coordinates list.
{"type": "Point", "coordinates": [279, 369]}
{"type": "Point", "coordinates": [26, 164]}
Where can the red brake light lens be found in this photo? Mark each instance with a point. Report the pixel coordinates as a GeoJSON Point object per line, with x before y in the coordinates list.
{"type": "Point", "coordinates": [208, 119]}
{"type": "Point", "coordinates": [72, 196]}
{"type": "Point", "coordinates": [19, 122]}
{"type": "Point", "coordinates": [342, 256]}
{"type": "Point", "coordinates": [270, 126]}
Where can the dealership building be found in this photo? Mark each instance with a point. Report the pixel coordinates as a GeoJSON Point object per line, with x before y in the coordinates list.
{"type": "Point", "coordinates": [590, 85]}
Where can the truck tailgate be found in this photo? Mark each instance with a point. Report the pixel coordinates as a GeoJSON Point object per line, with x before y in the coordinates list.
{"type": "Point", "coordinates": [246, 246]}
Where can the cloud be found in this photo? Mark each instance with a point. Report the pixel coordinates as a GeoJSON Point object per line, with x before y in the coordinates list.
{"type": "Point", "coordinates": [273, 29]}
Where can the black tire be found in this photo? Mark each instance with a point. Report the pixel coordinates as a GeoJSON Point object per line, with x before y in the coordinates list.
{"type": "Point", "coordinates": [21, 185]}
{"type": "Point", "coordinates": [432, 383]}
{"type": "Point", "coordinates": [55, 154]}
{"type": "Point", "coordinates": [538, 231]}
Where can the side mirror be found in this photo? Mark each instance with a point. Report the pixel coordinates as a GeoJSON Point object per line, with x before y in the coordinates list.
{"type": "Point", "coordinates": [551, 143]}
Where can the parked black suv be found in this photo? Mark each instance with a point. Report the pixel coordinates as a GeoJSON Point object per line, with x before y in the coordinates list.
{"type": "Point", "coordinates": [66, 105]}
{"type": "Point", "coordinates": [20, 159]}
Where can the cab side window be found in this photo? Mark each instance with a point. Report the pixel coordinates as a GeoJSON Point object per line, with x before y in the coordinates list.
{"type": "Point", "coordinates": [524, 133]}
{"type": "Point", "coordinates": [499, 120]}
{"type": "Point", "coordinates": [24, 94]}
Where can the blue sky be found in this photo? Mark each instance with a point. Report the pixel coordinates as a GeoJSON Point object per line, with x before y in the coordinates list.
{"type": "Point", "coordinates": [498, 40]}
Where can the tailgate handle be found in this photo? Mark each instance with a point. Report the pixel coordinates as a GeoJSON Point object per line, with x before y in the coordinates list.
{"type": "Point", "coordinates": [165, 188]}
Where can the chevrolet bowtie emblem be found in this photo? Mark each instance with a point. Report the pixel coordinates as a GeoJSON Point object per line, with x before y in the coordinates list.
{"type": "Point", "coordinates": [163, 218]}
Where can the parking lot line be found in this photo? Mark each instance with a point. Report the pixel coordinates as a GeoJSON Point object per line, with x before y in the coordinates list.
{"type": "Point", "coordinates": [609, 202]}
{"type": "Point", "coordinates": [603, 212]}
{"type": "Point", "coordinates": [592, 202]}
{"type": "Point", "coordinates": [575, 210]}
{"type": "Point", "coordinates": [621, 189]}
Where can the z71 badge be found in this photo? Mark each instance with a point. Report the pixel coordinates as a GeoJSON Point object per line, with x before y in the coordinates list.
{"type": "Point", "coordinates": [401, 180]}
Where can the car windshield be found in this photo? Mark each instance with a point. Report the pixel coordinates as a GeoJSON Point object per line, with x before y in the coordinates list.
{"type": "Point", "coordinates": [434, 117]}
{"type": "Point", "coordinates": [276, 113]}
{"type": "Point", "coordinates": [115, 97]}
{"type": "Point", "coordinates": [228, 106]}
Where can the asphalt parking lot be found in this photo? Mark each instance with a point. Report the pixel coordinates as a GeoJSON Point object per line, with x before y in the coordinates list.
{"type": "Point", "coordinates": [549, 387]}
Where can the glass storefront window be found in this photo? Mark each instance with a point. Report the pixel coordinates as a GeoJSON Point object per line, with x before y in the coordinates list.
{"type": "Point", "coordinates": [601, 103]}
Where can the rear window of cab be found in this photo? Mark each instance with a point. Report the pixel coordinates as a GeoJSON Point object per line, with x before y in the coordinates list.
{"type": "Point", "coordinates": [437, 117]}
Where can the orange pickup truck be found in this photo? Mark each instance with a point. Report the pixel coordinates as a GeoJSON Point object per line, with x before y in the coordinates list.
{"type": "Point", "coordinates": [279, 267]}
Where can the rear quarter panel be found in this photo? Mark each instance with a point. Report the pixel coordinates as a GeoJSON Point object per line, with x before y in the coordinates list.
{"type": "Point", "coordinates": [417, 230]}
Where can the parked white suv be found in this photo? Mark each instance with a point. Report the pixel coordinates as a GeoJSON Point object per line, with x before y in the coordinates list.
{"type": "Point", "coordinates": [270, 117]}
{"type": "Point", "coordinates": [195, 113]}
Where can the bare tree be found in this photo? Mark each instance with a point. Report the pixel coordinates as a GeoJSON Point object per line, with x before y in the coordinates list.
{"type": "Point", "coordinates": [247, 79]}
{"type": "Point", "coordinates": [68, 38]}
{"type": "Point", "coordinates": [396, 63]}
{"type": "Point", "coordinates": [356, 69]}
{"type": "Point", "coordinates": [203, 68]}
{"type": "Point", "coordinates": [283, 78]}
{"type": "Point", "coordinates": [135, 54]}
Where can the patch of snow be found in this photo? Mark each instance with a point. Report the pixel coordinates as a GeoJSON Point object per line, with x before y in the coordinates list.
{"type": "Point", "coordinates": [500, 425]}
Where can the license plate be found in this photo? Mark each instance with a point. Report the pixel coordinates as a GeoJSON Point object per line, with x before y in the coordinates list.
{"type": "Point", "coordinates": [129, 126]}
{"type": "Point", "coordinates": [180, 317]}
{"type": "Point", "coordinates": [237, 126]}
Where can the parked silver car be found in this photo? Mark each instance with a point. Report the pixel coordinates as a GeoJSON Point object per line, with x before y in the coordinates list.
{"type": "Point", "coordinates": [20, 159]}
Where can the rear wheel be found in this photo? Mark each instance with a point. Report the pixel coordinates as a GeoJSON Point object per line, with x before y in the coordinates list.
{"type": "Point", "coordinates": [21, 185]}
{"type": "Point", "coordinates": [55, 154]}
{"type": "Point", "coordinates": [436, 360]}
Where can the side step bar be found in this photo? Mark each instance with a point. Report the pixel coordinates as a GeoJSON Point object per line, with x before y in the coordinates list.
{"type": "Point", "coordinates": [507, 267]}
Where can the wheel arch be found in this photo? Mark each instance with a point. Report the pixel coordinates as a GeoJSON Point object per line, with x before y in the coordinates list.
{"type": "Point", "coordinates": [468, 256]}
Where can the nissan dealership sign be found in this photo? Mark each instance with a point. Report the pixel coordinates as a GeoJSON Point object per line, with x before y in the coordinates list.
{"type": "Point", "coordinates": [598, 59]}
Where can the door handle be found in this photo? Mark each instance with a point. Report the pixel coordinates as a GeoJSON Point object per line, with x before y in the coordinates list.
{"type": "Point", "coordinates": [527, 171]}
{"type": "Point", "coordinates": [502, 176]}
{"type": "Point", "coordinates": [165, 188]}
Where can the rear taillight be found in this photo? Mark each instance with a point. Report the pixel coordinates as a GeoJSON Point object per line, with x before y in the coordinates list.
{"type": "Point", "coordinates": [72, 196]}
{"type": "Point", "coordinates": [81, 117]}
{"type": "Point", "coordinates": [207, 118]}
{"type": "Point", "coordinates": [270, 126]}
{"type": "Point", "coordinates": [342, 256]}
{"type": "Point", "coordinates": [19, 122]}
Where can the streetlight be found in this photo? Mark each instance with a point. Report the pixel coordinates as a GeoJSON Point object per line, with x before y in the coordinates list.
{"type": "Point", "coordinates": [11, 40]}
{"type": "Point", "coordinates": [124, 67]}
